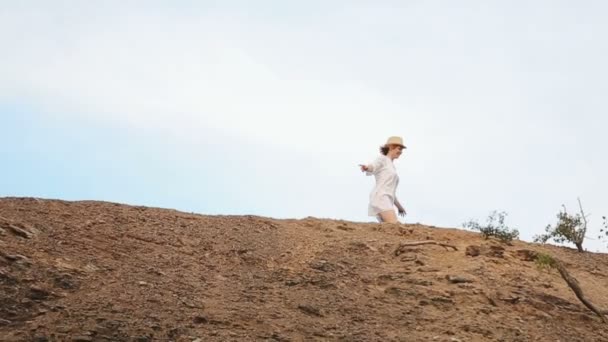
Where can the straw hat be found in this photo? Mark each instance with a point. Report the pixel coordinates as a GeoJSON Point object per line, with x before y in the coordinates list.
{"type": "Point", "coordinates": [395, 141]}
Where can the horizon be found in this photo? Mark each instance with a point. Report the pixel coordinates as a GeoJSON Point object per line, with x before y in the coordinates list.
{"type": "Point", "coordinates": [267, 109]}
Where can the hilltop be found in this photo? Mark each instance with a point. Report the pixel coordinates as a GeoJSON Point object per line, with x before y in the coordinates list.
{"type": "Point", "coordinates": [98, 271]}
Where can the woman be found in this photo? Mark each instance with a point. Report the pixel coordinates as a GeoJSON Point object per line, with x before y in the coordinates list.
{"type": "Point", "coordinates": [383, 199]}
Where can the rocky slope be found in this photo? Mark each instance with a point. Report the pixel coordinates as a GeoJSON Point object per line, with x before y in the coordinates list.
{"type": "Point", "coordinates": [96, 271]}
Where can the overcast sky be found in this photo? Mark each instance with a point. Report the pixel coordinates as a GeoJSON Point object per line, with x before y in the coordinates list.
{"type": "Point", "coordinates": [267, 107]}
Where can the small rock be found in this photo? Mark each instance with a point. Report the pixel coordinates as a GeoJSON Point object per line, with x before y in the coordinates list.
{"type": "Point", "coordinates": [19, 232]}
{"type": "Point", "coordinates": [322, 265]}
{"type": "Point", "coordinates": [496, 251]}
{"type": "Point", "coordinates": [200, 320]}
{"type": "Point", "coordinates": [441, 299]}
{"type": "Point", "coordinates": [142, 283]}
{"type": "Point", "coordinates": [311, 310]}
{"type": "Point", "coordinates": [16, 257]}
{"type": "Point", "coordinates": [526, 254]}
{"type": "Point", "coordinates": [65, 281]}
{"type": "Point", "coordinates": [472, 251]}
{"type": "Point", "coordinates": [63, 329]}
{"type": "Point", "coordinates": [82, 339]}
{"type": "Point", "coordinates": [38, 293]}
{"type": "Point", "coordinates": [458, 279]}
{"type": "Point", "coordinates": [345, 227]}
{"type": "Point", "coordinates": [293, 282]}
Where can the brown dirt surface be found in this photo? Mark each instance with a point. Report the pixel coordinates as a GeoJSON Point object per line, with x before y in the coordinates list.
{"type": "Point", "coordinates": [98, 271]}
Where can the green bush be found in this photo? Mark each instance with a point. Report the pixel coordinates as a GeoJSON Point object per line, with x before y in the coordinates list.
{"type": "Point", "coordinates": [544, 261]}
{"type": "Point", "coordinates": [568, 228]}
{"type": "Point", "coordinates": [495, 227]}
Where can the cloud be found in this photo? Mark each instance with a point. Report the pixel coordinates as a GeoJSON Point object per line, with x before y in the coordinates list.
{"type": "Point", "coordinates": [187, 74]}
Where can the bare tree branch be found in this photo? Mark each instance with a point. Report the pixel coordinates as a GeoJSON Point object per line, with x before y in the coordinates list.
{"type": "Point", "coordinates": [573, 283]}
{"type": "Point", "coordinates": [584, 230]}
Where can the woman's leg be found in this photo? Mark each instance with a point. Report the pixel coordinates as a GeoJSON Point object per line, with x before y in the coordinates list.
{"type": "Point", "coordinates": [389, 216]}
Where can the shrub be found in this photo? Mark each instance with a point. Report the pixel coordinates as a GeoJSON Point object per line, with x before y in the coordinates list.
{"type": "Point", "coordinates": [544, 261]}
{"type": "Point", "coordinates": [495, 227]}
{"type": "Point", "coordinates": [569, 228]}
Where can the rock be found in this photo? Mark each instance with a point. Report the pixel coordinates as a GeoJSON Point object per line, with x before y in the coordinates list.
{"type": "Point", "coordinates": [363, 245]}
{"type": "Point", "coordinates": [526, 254]}
{"type": "Point", "coordinates": [4, 322]}
{"type": "Point", "coordinates": [421, 282]}
{"type": "Point", "coordinates": [19, 232]}
{"type": "Point", "coordinates": [458, 279]}
{"type": "Point", "coordinates": [311, 310]}
{"type": "Point", "coordinates": [63, 329]}
{"type": "Point", "coordinates": [442, 299]}
{"type": "Point", "coordinates": [293, 282]}
{"type": "Point", "coordinates": [473, 251]}
{"type": "Point", "coordinates": [345, 227]}
{"type": "Point", "coordinates": [491, 251]}
{"type": "Point", "coordinates": [322, 265]}
{"type": "Point", "coordinates": [200, 320]}
{"type": "Point", "coordinates": [82, 339]}
{"type": "Point", "coordinates": [496, 252]}
{"type": "Point", "coordinates": [424, 302]}
{"type": "Point", "coordinates": [17, 257]}
{"type": "Point", "coordinates": [65, 281]}
{"type": "Point", "coordinates": [38, 293]}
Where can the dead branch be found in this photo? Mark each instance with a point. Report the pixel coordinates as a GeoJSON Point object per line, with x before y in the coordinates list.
{"type": "Point", "coordinates": [402, 245]}
{"type": "Point", "coordinates": [581, 236]}
{"type": "Point", "coordinates": [570, 280]}
{"type": "Point", "coordinates": [573, 283]}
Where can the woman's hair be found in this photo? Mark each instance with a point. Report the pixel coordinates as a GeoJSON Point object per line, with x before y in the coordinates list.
{"type": "Point", "coordinates": [384, 149]}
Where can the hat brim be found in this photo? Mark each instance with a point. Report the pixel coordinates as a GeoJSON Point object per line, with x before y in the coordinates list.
{"type": "Point", "coordinates": [387, 145]}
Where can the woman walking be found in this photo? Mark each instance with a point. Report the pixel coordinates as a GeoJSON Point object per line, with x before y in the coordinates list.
{"type": "Point", "coordinates": [383, 199]}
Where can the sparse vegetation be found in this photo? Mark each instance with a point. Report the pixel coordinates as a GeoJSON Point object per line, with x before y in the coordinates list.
{"type": "Point", "coordinates": [604, 230]}
{"type": "Point", "coordinates": [495, 227]}
{"type": "Point", "coordinates": [569, 228]}
{"type": "Point", "coordinates": [544, 261]}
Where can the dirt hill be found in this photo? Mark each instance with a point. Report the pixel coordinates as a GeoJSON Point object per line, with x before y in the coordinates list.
{"type": "Point", "coordinates": [96, 271]}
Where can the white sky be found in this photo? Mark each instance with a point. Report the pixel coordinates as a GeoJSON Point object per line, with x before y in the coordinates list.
{"type": "Point", "coordinates": [502, 103]}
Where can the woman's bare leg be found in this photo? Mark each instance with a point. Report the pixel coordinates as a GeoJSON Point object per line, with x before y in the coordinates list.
{"type": "Point", "coordinates": [389, 216]}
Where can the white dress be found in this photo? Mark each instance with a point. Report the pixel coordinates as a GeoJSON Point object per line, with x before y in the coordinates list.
{"type": "Point", "coordinates": [383, 195]}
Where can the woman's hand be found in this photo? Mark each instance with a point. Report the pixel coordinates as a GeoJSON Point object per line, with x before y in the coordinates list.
{"type": "Point", "coordinates": [402, 212]}
{"type": "Point", "coordinates": [364, 168]}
